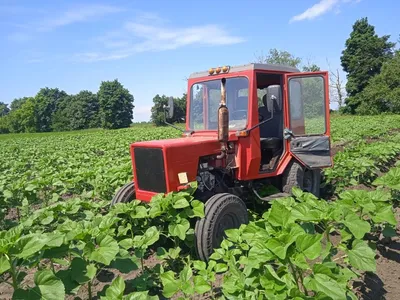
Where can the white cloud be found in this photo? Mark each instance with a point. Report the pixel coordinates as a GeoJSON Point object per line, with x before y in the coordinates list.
{"type": "Point", "coordinates": [75, 14]}
{"type": "Point", "coordinates": [320, 8]}
{"type": "Point", "coordinates": [150, 33]}
{"type": "Point", "coordinates": [82, 13]}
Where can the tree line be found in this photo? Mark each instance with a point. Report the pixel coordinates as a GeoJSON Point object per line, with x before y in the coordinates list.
{"type": "Point", "coordinates": [52, 109]}
{"type": "Point", "coordinates": [371, 64]}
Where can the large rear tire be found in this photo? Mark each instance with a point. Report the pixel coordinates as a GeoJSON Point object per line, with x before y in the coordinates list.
{"type": "Point", "coordinates": [305, 179]}
{"type": "Point", "coordinates": [222, 211]}
{"type": "Point", "coordinates": [125, 194]}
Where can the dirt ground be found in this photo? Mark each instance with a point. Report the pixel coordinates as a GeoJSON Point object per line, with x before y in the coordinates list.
{"type": "Point", "coordinates": [385, 283]}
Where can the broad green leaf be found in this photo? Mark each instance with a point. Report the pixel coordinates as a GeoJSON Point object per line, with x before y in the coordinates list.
{"type": "Point", "coordinates": [273, 273]}
{"type": "Point", "coordinates": [356, 226]}
{"type": "Point", "coordinates": [170, 285]}
{"type": "Point", "coordinates": [198, 208]}
{"type": "Point", "coordinates": [28, 245]}
{"type": "Point", "coordinates": [126, 243]}
{"type": "Point", "coordinates": [82, 272]}
{"type": "Point", "coordinates": [220, 268]}
{"type": "Point", "coordinates": [326, 285]}
{"type": "Point", "coordinates": [300, 261]}
{"type": "Point", "coordinates": [116, 290]}
{"type": "Point", "coordinates": [389, 231]}
{"type": "Point", "coordinates": [179, 229]}
{"type": "Point", "coordinates": [7, 194]}
{"type": "Point", "coordinates": [199, 265]}
{"type": "Point", "coordinates": [310, 245]}
{"type": "Point", "coordinates": [151, 236]}
{"type": "Point", "coordinates": [362, 257]}
{"type": "Point", "coordinates": [30, 187]}
{"type": "Point", "coordinates": [49, 285]}
{"type": "Point", "coordinates": [185, 274]}
{"type": "Point", "coordinates": [201, 286]}
{"type": "Point", "coordinates": [4, 264]}
{"type": "Point", "coordinates": [181, 203]}
{"type": "Point", "coordinates": [280, 245]}
{"type": "Point", "coordinates": [139, 213]}
{"type": "Point", "coordinates": [70, 284]}
{"type": "Point", "coordinates": [106, 251]}
{"type": "Point", "coordinates": [383, 214]}
{"type": "Point", "coordinates": [54, 239]}
{"type": "Point", "coordinates": [125, 265]}
{"type": "Point", "coordinates": [279, 215]}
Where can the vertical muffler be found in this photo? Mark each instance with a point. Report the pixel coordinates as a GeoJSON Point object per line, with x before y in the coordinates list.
{"type": "Point", "coordinates": [223, 121]}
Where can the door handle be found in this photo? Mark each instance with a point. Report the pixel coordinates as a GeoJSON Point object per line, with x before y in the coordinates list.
{"type": "Point", "coordinates": [287, 134]}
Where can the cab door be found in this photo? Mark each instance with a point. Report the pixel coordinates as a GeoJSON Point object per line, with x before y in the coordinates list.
{"type": "Point", "coordinates": [307, 124]}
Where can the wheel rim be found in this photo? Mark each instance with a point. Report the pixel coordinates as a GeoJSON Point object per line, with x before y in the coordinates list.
{"type": "Point", "coordinates": [228, 221]}
{"type": "Point", "coordinates": [308, 181]}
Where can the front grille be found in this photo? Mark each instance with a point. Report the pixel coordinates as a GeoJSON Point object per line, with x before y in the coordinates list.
{"type": "Point", "coordinates": [150, 172]}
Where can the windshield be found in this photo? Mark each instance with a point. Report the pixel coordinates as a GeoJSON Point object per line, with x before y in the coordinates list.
{"type": "Point", "coordinates": [205, 99]}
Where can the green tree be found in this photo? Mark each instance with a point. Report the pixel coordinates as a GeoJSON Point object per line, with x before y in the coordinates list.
{"type": "Point", "coordinates": [48, 101]}
{"type": "Point", "coordinates": [16, 103]}
{"type": "Point", "coordinates": [3, 109]}
{"type": "Point", "coordinates": [279, 57]}
{"type": "Point", "coordinates": [80, 111]}
{"type": "Point", "coordinates": [362, 59]}
{"type": "Point", "coordinates": [382, 94]}
{"type": "Point", "coordinates": [23, 119]}
{"type": "Point", "coordinates": [310, 67]}
{"type": "Point", "coordinates": [116, 105]}
{"type": "Point", "coordinates": [157, 111]}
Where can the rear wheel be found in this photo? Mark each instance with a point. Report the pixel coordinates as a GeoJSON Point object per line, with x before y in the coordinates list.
{"type": "Point", "coordinates": [305, 179]}
{"type": "Point", "coordinates": [222, 211]}
{"type": "Point", "coordinates": [125, 194]}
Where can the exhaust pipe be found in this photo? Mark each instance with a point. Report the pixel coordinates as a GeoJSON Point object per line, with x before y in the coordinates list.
{"type": "Point", "coordinates": [223, 121]}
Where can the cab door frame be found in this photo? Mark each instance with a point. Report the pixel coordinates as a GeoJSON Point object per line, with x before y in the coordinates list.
{"type": "Point", "coordinates": [313, 150]}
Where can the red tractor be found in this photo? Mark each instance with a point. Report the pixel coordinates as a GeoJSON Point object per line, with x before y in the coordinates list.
{"type": "Point", "coordinates": [247, 127]}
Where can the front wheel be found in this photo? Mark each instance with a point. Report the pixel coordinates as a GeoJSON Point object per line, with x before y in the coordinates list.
{"type": "Point", "coordinates": [222, 211]}
{"type": "Point", "coordinates": [303, 178]}
{"type": "Point", "coordinates": [125, 194]}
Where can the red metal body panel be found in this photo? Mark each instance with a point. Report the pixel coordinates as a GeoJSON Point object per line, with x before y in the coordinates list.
{"type": "Point", "coordinates": [180, 155]}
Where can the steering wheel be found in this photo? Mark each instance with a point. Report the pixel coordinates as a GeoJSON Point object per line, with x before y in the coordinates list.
{"type": "Point", "coordinates": [242, 116]}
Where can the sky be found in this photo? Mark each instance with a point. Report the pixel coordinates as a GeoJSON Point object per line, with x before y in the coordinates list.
{"type": "Point", "coordinates": [151, 47]}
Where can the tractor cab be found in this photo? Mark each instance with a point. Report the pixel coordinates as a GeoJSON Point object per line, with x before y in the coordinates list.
{"type": "Point", "coordinates": [247, 127]}
{"type": "Point", "coordinates": [281, 112]}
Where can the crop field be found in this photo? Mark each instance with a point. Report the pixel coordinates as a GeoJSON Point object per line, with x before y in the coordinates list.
{"type": "Point", "coordinates": [59, 238]}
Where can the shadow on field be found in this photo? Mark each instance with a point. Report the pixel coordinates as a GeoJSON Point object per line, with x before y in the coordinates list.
{"type": "Point", "coordinates": [371, 288]}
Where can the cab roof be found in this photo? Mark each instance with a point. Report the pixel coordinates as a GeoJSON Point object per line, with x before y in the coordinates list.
{"type": "Point", "coordinates": [252, 66]}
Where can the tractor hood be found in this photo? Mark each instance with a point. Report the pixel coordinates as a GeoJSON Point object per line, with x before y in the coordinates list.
{"type": "Point", "coordinates": [191, 141]}
{"type": "Point", "coordinates": [156, 164]}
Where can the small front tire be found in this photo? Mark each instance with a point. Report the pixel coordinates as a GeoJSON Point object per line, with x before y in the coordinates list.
{"type": "Point", "coordinates": [222, 211]}
{"type": "Point", "coordinates": [125, 194]}
{"type": "Point", "coordinates": [303, 178]}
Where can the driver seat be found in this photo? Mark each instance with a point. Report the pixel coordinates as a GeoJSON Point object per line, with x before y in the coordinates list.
{"type": "Point", "coordinates": [271, 132]}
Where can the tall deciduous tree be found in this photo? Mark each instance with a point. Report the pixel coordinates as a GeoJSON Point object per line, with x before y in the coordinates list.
{"type": "Point", "coordinates": [47, 103]}
{"type": "Point", "coordinates": [23, 119]}
{"type": "Point", "coordinates": [116, 105]}
{"type": "Point", "coordinates": [3, 109]}
{"type": "Point", "coordinates": [16, 103]}
{"type": "Point", "coordinates": [382, 94]}
{"type": "Point", "coordinates": [362, 59]}
{"type": "Point", "coordinates": [279, 57]}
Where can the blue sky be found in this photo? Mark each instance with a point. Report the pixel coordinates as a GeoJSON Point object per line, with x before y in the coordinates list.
{"type": "Point", "coordinates": [152, 46]}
